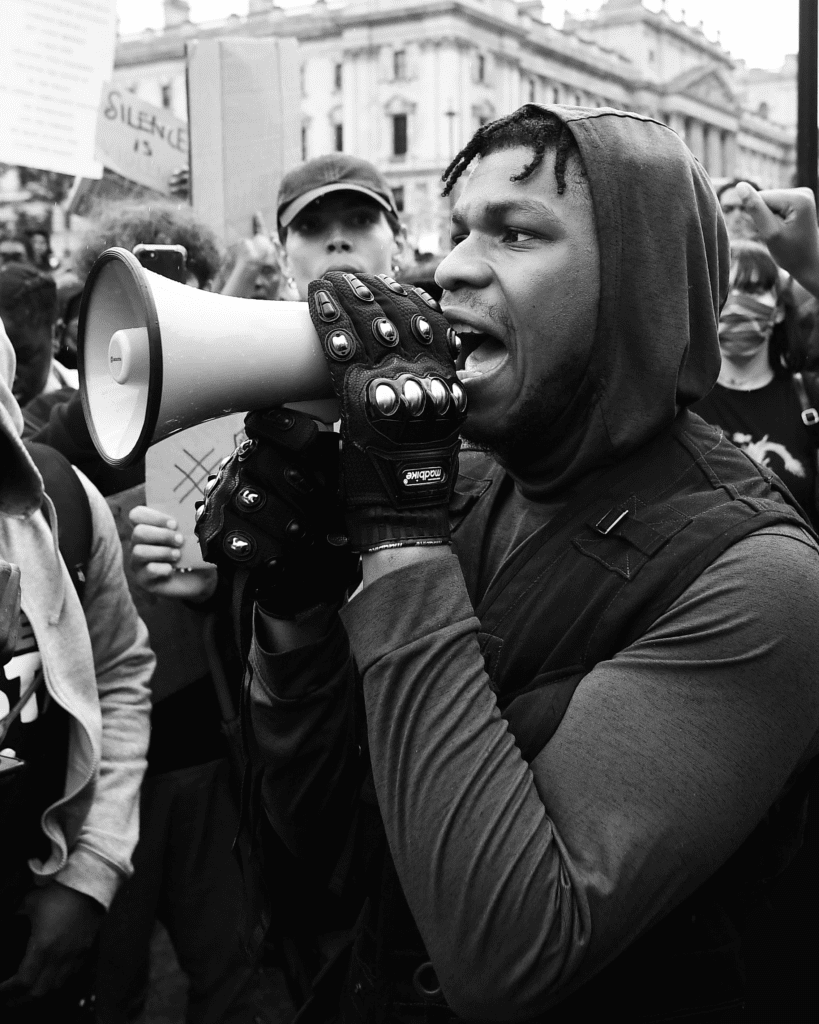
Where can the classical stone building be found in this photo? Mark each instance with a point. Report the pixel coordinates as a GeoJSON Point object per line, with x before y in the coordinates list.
{"type": "Point", "coordinates": [406, 82]}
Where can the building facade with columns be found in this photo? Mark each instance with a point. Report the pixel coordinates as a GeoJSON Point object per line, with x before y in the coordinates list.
{"type": "Point", "coordinates": [406, 82]}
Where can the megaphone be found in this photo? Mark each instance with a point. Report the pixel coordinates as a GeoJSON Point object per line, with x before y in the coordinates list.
{"type": "Point", "coordinates": [156, 356]}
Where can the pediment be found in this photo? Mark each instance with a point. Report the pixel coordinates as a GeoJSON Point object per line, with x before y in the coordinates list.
{"type": "Point", "coordinates": [712, 89]}
{"type": "Point", "coordinates": [706, 84]}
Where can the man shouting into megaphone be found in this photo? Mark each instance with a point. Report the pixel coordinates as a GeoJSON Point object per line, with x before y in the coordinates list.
{"type": "Point", "coordinates": [541, 758]}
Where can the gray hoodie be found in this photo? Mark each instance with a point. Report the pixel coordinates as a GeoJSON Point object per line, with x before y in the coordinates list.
{"type": "Point", "coordinates": [96, 663]}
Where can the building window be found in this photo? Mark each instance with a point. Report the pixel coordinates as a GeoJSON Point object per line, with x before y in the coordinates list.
{"type": "Point", "coordinates": [651, 56]}
{"type": "Point", "coordinates": [577, 102]}
{"type": "Point", "coordinates": [339, 138]}
{"type": "Point", "coordinates": [337, 75]}
{"type": "Point", "coordinates": [531, 90]}
{"type": "Point", "coordinates": [303, 80]}
{"type": "Point", "coordinates": [398, 196]}
{"type": "Point", "coordinates": [481, 68]}
{"type": "Point", "coordinates": [166, 96]}
{"type": "Point", "coordinates": [399, 134]}
{"type": "Point", "coordinates": [304, 142]}
{"type": "Point", "coordinates": [555, 95]}
{"type": "Point", "coordinates": [399, 65]}
{"type": "Point", "coordinates": [764, 109]}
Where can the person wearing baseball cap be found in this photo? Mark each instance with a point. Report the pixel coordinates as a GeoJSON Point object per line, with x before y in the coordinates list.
{"type": "Point", "coordinates": [337, 212]}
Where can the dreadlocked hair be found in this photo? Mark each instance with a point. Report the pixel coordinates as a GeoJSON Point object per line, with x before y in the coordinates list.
{"type": "Point", "coordinates": [536, 129]}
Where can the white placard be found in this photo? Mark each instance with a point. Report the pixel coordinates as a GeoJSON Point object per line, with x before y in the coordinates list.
{"type": "Point", "coordinates": [141, 142]}
{"type": "Point", "coordinates": [54, 57]}
{"type": "Point", "coordinates": [245, 125]}
{"type": "Point", "coordinates": [177, 469]}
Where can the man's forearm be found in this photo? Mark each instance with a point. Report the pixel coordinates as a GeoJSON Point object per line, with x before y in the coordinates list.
{"type": "Point", "coordinates": [376, 564]}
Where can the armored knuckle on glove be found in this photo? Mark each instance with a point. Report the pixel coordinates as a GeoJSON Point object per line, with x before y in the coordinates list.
{"type": "Point", "coordinates": [391, 358]}
{"type": "Point", "coordinates": [273, 512]}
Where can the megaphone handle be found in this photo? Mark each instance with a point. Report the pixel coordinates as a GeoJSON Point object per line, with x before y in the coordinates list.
{"type": "Point", "coordinates": [325, 409]}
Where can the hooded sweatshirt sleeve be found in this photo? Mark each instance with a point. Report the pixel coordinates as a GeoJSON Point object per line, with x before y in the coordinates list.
{"type": "Point", "coordinates": [526, 879]}
{"type": "Point", "coordinates": [100, 858]}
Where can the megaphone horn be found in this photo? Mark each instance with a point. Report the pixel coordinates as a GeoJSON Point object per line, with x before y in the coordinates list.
{"type": "Point", "coordinates": [156, 356]}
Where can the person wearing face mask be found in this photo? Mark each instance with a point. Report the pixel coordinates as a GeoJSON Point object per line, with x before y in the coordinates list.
{"type": "Point", "coordinates": [755, 400]}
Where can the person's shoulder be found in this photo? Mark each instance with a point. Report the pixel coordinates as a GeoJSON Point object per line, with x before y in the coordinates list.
{"type": "Point", "coordinates": [767, 582]}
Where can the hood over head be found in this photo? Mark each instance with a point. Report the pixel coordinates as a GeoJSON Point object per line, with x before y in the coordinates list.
{"type": "Point", "coordinates": [21, 486]}
{"type": "Point", "coordinates": [664, 265]}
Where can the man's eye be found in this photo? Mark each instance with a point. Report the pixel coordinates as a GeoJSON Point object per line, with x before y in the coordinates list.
{"type": "Point", "coordinates": [514, 235]}
{"type": "Point", "coordinates": [364, 219]}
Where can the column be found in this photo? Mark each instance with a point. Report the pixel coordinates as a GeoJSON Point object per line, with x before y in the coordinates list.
{"type": "Point", "coordinates": [695, 137]}
{"type": "Point", "coordinates": [677, 123]}
{"type": "Point", "coordinates": [713, 151]}
{"type": "Point", "coordinates": [729, 154]}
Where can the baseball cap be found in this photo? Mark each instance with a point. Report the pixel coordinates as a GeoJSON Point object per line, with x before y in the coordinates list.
{"type": "Point", "coordinates": [336, 172]}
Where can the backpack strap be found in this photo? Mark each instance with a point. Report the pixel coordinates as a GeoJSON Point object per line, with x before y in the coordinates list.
{"type": "Point", "coordinates": [71, 503]}
{"type": "Point", "coordinates": [810, 412]}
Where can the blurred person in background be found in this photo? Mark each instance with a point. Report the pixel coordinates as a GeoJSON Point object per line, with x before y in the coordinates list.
{"type": "Point", "coordinates": [28, 308]}
{"type": "Point", "coordinates": [128, 224]}
{"type": "Point", "coordinates": [74, 722]}
{"type": "Point", "coordinates": [13, 250]}
{"type": "Point", "coordinates": [756, 399]}
{"type": "Point", "coordinates": [39, 251]}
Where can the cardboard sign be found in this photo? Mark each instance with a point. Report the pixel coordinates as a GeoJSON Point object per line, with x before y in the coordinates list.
{"type": "Point", "coordinates": [245, 124]}
{"type": "Point", "coordinates": [139, 141]}
{"type": "Point", "coordinates": [54, 57]}
{"type": "Point", "coordinates": [177, 469]}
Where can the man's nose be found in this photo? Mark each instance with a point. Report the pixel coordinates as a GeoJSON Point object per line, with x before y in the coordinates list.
{"type": "Point", "coordinates": [338, 242]}
{"type": "Point", "coordinates": [464, 267]}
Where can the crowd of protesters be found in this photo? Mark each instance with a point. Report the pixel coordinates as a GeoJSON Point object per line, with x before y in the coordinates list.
{"type": "Point", "coordinates": [433, 753]}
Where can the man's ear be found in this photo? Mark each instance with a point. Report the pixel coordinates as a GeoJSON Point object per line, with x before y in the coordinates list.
{"type": "Point", "coordinates": [401, 243]}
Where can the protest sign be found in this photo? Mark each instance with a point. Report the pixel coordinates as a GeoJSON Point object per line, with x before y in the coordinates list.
{"type": "Point", "coordinates": [54, 57]}
{"type": "Point", "coordinates": [177, 469]}
{"type": "Point", "coordinates": [245, 125]}
{"type": "Point", "coordinates": [139, 141]}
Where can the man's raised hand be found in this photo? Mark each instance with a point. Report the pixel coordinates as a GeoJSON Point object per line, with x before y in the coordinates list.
{"type": "Point", "coordinates": [391, 355]}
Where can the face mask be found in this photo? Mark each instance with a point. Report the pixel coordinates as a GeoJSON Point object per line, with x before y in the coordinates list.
{"type": "Point", "coordinates": [748, 319]}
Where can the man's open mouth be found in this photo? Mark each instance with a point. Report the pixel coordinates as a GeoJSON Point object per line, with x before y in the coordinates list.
{"type": "Point", "coordinates": [481, 352]}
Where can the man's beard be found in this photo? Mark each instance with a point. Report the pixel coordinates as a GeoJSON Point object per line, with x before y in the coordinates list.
{"type": "Point", "coordinates": [529, 431]}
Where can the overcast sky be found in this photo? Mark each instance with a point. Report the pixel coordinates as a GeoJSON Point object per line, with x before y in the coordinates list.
{"type": "Point", "coordinates": [757, 31]}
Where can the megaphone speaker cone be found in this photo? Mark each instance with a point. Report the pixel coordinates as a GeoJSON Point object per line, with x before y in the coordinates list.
{"type": "Point", "coordinates": [156, 356]}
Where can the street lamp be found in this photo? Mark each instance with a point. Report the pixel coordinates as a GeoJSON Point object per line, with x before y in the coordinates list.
{"type": "Point", "coordinates": [806, 117]}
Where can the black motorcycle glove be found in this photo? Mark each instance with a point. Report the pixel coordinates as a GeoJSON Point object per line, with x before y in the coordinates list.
{"type": "Point", "coordinates": [273, 511]}
{"type": "Point", "coordinates": [391, 358]}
